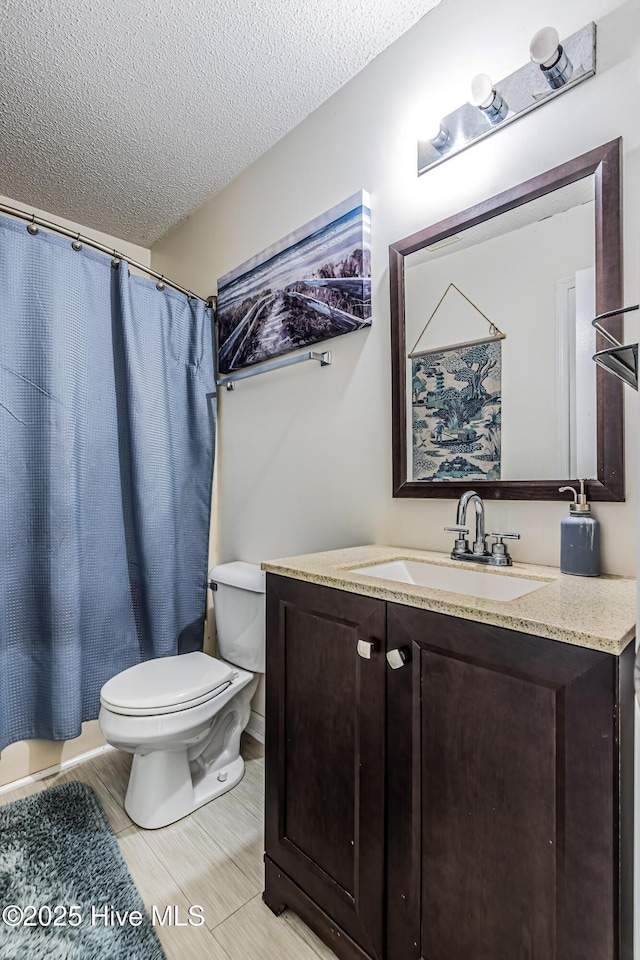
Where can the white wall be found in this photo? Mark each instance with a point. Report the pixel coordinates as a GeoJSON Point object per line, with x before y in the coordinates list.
{"type": "Point", "coordinates": [30, 756]}
{"type": "Point", "coordinates": [304, 455]}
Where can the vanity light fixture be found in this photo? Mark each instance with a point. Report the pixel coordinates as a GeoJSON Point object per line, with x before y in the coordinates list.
{"type": "Point", "coordinates": [553, 68]}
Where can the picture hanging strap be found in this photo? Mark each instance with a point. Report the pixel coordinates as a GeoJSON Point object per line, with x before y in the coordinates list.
{"type": "Point", "coordinates": [494, 332]}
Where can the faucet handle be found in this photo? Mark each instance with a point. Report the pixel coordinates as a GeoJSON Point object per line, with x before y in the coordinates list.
{"type": "Point", "coordinates": [461, 546]}
{"type": "Point", "coordinates": [498, 548]}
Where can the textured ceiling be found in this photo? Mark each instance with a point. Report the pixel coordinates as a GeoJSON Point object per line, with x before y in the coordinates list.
{"type": "Point", "coordinates": [126, 116]}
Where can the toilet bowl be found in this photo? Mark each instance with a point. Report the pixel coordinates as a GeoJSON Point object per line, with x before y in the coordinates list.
{"type": "Point", "coordinates": [182, 717]}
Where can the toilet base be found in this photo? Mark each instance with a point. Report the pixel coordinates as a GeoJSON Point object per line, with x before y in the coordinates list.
{"type": "Point", "coordinates": [161, 788]}
{"type": "Point", "coordinates": [184, 759]}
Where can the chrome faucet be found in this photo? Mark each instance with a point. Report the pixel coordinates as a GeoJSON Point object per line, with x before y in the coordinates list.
{"type": "Point", "coordinates": [498, 556]}
{"type": "Point", "coordinates": [479, 546]}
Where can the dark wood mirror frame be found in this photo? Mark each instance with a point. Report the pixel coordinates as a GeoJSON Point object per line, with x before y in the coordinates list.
{"type": "Point", "coordinates": [605, 164]}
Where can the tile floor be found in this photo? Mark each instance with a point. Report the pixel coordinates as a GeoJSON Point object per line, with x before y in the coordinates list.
{"type": "Point", "coordinates": [212, 858]}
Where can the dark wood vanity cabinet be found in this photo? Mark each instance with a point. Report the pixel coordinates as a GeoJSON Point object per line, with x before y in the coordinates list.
{"type": "Point", "coordinates": [324, 760]}
{"type": "Point", "coordinates": [502, 801]}
{"type": "Point", "coordinates": [467, 805]}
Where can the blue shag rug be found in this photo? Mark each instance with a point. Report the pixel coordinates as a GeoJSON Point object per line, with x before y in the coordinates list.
{"type": "Point", "coordinates": [64, 887]}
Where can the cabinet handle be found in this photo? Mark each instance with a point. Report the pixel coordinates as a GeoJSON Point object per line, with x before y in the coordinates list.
{"type": "Point", "coordinates": [398, 657]}
{"type": "Point", "coordinates": [365, 649]}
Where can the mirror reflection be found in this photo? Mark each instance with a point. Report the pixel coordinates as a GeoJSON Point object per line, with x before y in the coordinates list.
{"type": "Point", "coordinates": [522, 406]}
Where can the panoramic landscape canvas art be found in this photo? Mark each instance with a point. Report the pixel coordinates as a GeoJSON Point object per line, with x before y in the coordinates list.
{"type": "Point", "coordinates": [456, 406]}
{"type": "Point", "coordinates": [312, 285]}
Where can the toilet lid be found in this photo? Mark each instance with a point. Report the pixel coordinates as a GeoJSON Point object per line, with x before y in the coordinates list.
{"type": "Point", "coordinates": [167, 682]}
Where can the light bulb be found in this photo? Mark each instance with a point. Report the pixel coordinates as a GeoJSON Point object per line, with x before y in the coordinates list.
{"type": "Point", "coordinates": [431, 129]}
{"type": "Point", "coordinates": [435, 133]}
{"type": "Point", "coordinates": [482, 92]}
{"type": "Point", "coordinates": [544, 47]}
{"type": "Point", "coordinates": [546, 50]}
{"type": "Point", "coordinates": [485, 96]}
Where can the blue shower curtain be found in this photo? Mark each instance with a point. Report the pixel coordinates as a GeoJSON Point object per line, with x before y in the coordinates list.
{"type": "Point", "coordinates": [107, 422]}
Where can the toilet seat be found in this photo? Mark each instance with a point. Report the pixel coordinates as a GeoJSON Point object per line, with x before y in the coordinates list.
{"type": "Point", "coordinates": [166, 685]}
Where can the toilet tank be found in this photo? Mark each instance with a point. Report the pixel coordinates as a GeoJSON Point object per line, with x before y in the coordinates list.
{"type": "Point", "coordinates": [239, 609]}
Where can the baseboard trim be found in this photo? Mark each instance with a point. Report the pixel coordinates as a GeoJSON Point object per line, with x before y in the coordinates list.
{"type": "Point", "coordinates": [255, 727]}
{"type": "Point", "coordinates": [56, 768]}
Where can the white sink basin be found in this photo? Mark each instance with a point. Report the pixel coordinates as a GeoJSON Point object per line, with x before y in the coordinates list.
{"type": "Point", "coordinates": [492, 585]}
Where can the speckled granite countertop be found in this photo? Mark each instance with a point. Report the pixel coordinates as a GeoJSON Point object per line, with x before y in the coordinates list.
{"type": "Point", "coordinates": [595, 612]}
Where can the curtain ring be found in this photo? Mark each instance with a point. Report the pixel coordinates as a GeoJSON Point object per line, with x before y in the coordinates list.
{"type": "Point", "coordinates": [160, 283]}
{"type": "Point", "coordinates": [31, 227]}
{"type": "Point", "coordinates": [116, 259]}
{"type": "Point", "coordinates": [76, 244]}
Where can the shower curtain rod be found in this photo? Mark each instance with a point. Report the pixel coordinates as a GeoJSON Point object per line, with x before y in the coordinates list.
{"type": "Point", "coordinates": [34, 222]}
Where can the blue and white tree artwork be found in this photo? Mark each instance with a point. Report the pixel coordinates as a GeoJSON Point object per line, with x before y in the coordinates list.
{"type": "Point", "coordinates": [312, 285]}
{"type": "Point", "coordinates": [456, 408]}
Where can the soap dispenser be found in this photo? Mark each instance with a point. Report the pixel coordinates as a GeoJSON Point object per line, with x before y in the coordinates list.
{"type": "Point", "coordinates": [579, 538]}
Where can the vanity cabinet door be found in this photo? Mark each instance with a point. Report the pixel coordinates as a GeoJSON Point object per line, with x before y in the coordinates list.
{"type": "Point", "coordinates": [325, 759]}
{"type": "Point", "coordinates": [502, 794]}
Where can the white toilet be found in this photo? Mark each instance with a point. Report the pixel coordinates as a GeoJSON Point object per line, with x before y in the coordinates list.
{"type": "Point", "coordinates": [181, 717]}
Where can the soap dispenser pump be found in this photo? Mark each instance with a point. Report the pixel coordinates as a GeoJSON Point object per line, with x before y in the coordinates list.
{"type": "Point", "coordinates": [579, 538]}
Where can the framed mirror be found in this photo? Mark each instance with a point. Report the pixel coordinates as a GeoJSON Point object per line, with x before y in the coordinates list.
{"type": "Point", "coordinates": [493, 385]}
